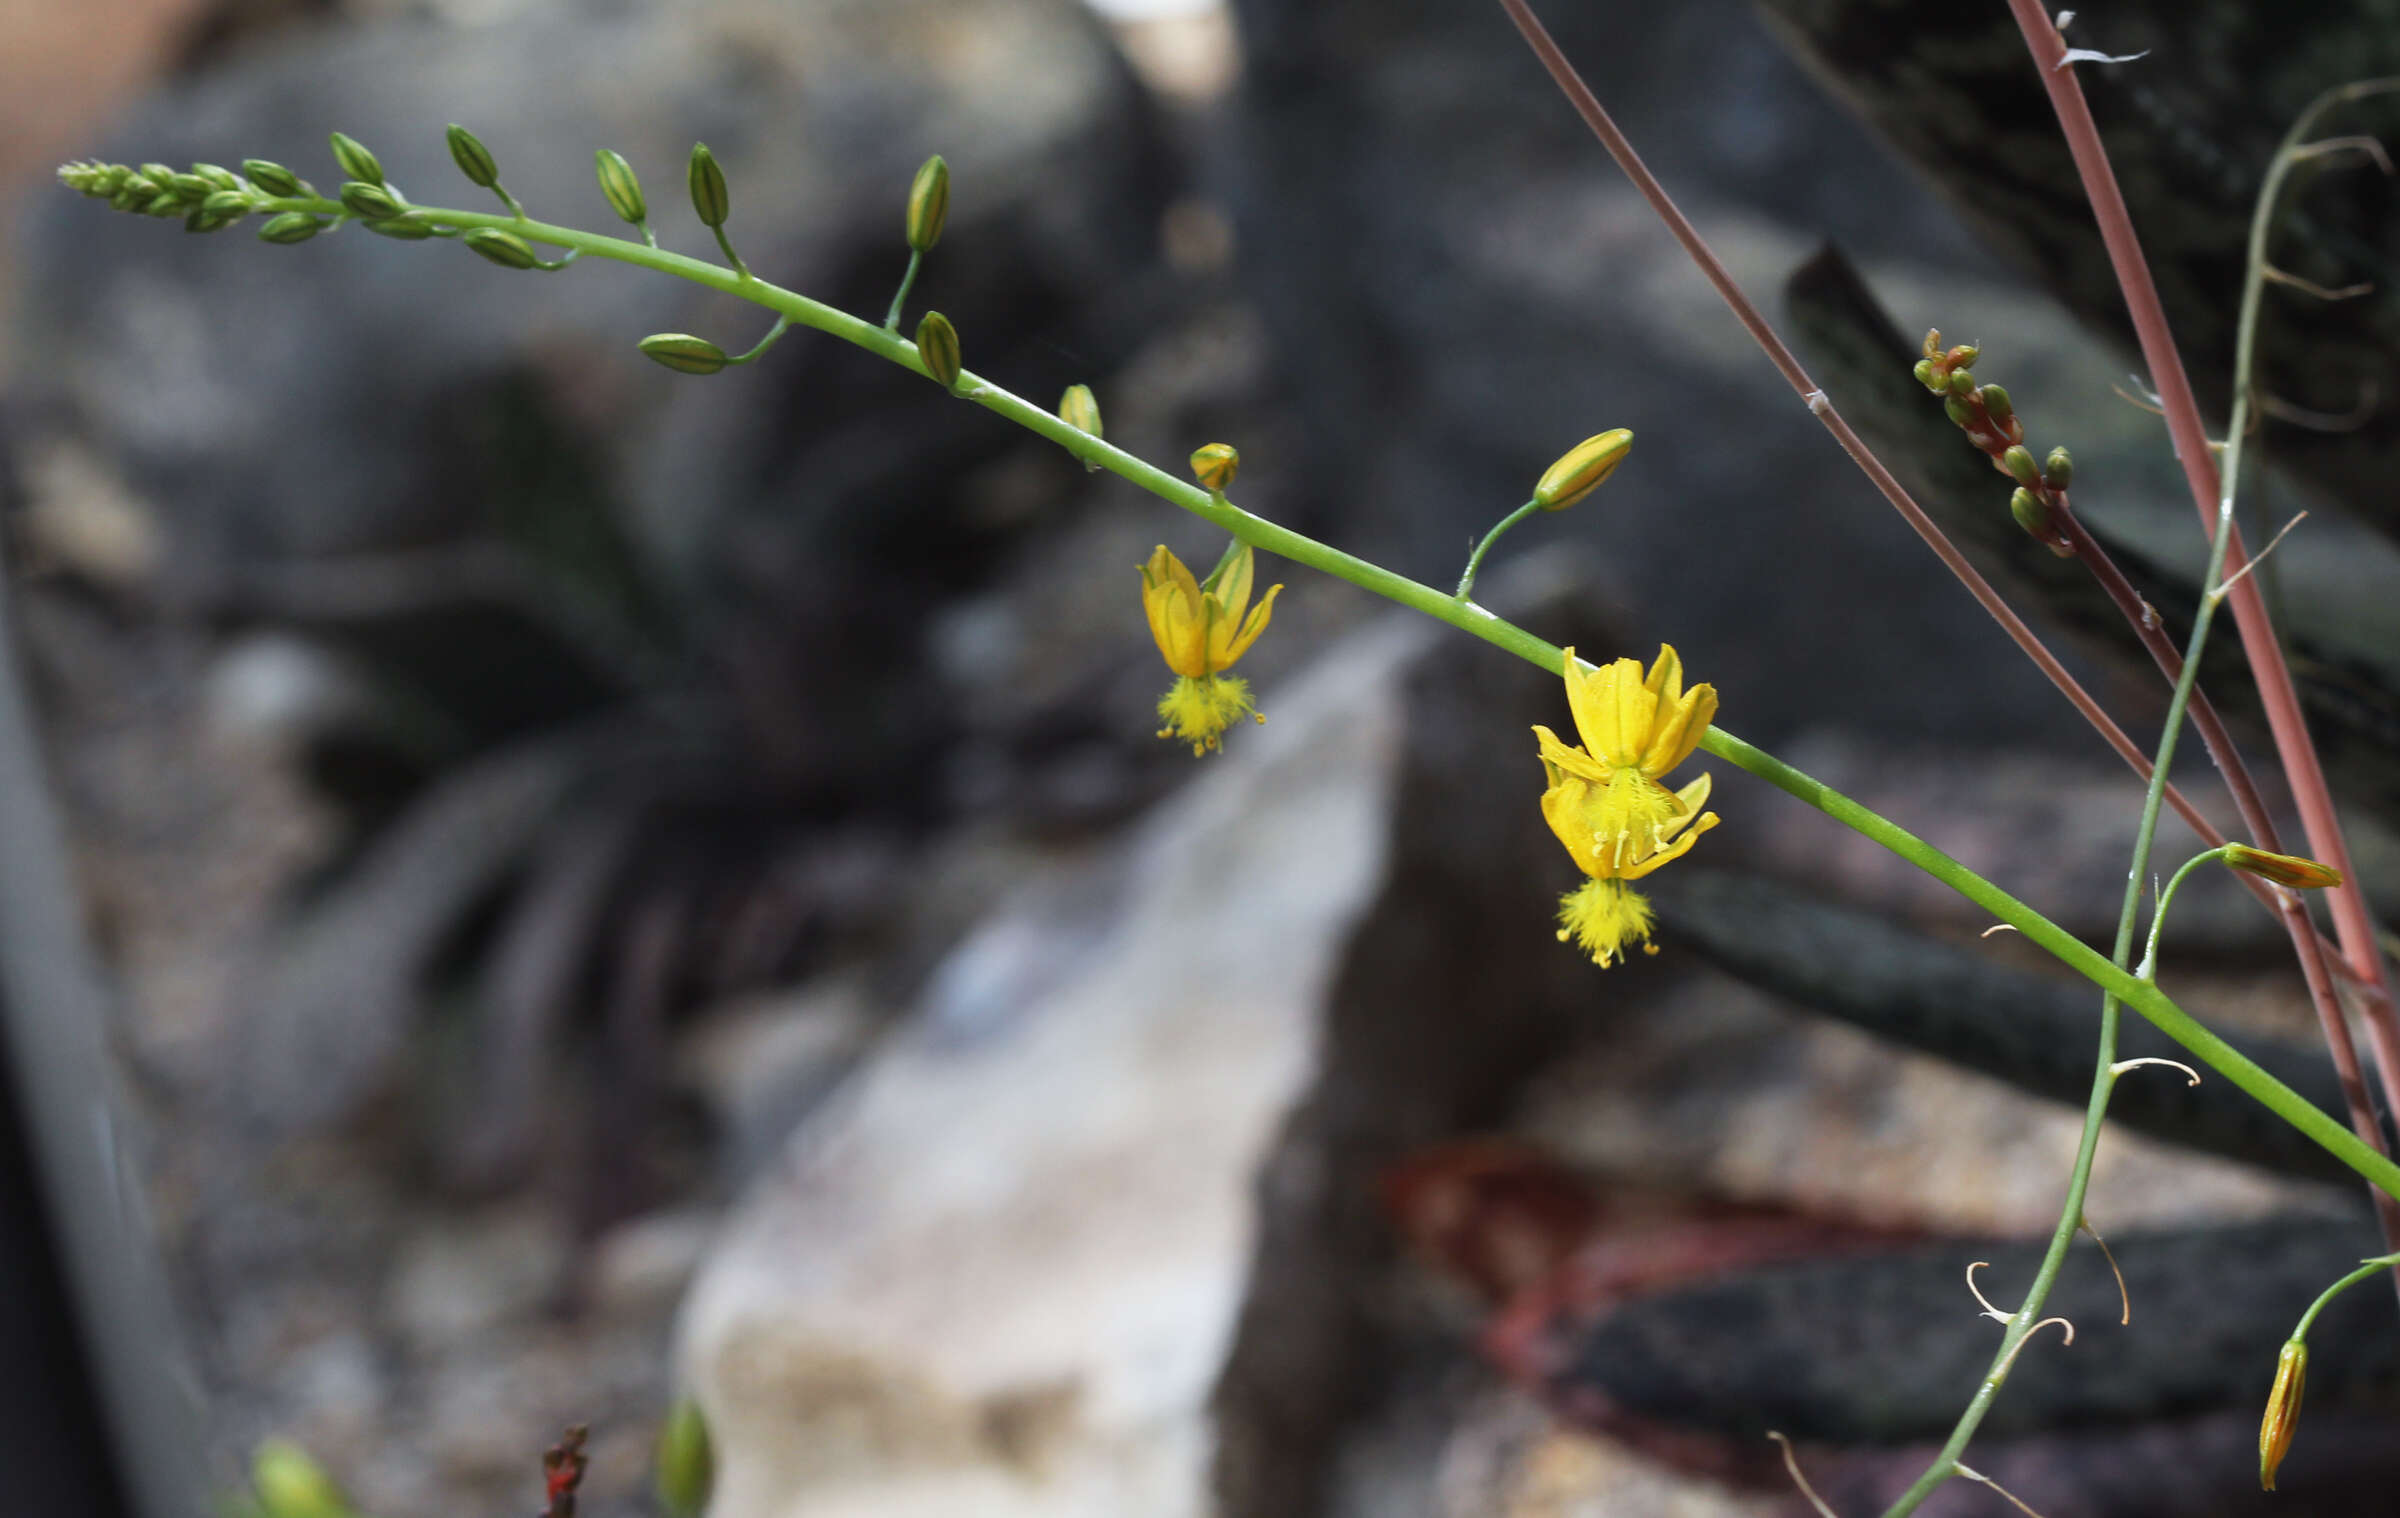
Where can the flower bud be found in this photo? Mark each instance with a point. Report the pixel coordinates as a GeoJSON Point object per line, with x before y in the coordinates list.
{"type": "Point", "coordinates": [506, 249]}
{"type": "Point", "coordinates": [937, 349]}
{"type": "Point", "coordinates": [709, 197]}
{"type": "Point", "coordinates": [1931, 378]}
{"type": "Point", "coordinates": [159, 175]}
{"type": "Point", "coordinates": [207, 221]}
{"type": "Point", "coordinates": [928, 204]}
{"type": "Point", "coordinates": [164, 203]}
{"type": "Point", "coordinates": [687, 1466]}
{"type": "Point", "coordinates": [192, 187]}
{"type": "Point", "coordinates": [231, 205]}
{"type": "Point", "coordinates": [473, 159]}
{"type": "Point", "coordinates": [290, 1484]}
{"type": "Point", "coordinates": [218, 176]}
{"type": "Point", "coordinates": [1959, 411]}
{"type": "Point", "coordinates": [357, 163]}
{"type": "Point", "coordinates": [1964, 355]}
{"type": "Point", "coordinates": [407, 228]}
{"type": "Point", "coordinates": [1581, 468]}
{"type": "Point", "coordinates": [1933, 342]}
{"type": "Point", "coordinates": [1995, 403]}
{"type": "Point", "coordinates": [1079, 410]}
{"type": "Point", "coordinates": [2018, 461]}
{"type": "Point", "coordinates": [2058, 470]}
{"type": "Point", "coordinates": [1962, 383]}
{"type": "Point", "coordinates": [271, 177]}
{"type": "Point", "coordinates": [368, 202]}
{"type": "Point", "coordinates": [1215, 465]}
{"type": "Point", "coordinates": [2283, 1410]}
{"type": "Point", "coordinates": [623, 190]}
{"type": "Point", "coordinates": [2034, 515]}
{"type": "Point", "coordinates": [290, 227]}
{"type": "Point", "coordinates": [684, 353]}
{"type": "Point", "coordinates": [2283, 869]}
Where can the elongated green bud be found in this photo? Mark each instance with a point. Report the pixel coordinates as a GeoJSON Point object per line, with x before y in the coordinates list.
{"type": "Point", "coordinates": [473, 159]}
{"type": "Point", "coordinates": [2034, 515]}
{"type": "Point", "coordinates": [232, 205]}
{"type": "Point", "coordinates": [2059, 469]}
{"type": "Point", "coordinates": [684, 353]}
{"type": "Point", "coordinates": [164, 203]}
{"type": "Point", "coordinates": [506, 249]}
{"type": "Point", "coordinates": [407, 228]}
{"type": "Point", "coordinates": [193, 187]}
{"type": "Point", "coordinates": [1215, 465]}
{"type": "Point", "coordinates": [369, 202]}
{"type": "Point", "coordinates": [2284, 869]}
{"type": "Point", "coordinates": [1996, 403]}
{"type": "Point", "coordinates": [709, 197]}
{"type": "Point", "coordinates": [271, 177]}
{"type": "Point", "coordinates": [928, 204]}
{"type": "Point", "coordinates": [158, 174]}
{"type": "Point", "coordinates": [1959, 411]}
{"type": "Point", "coordinates": [356, 161]}
{"type": "Point", "coordinates": [290, 227]}
{"type": "Point", "coordinates": [687, 1465]}
{"type": "Point", "coordinates": [218, 176]}
{"type": "Point", "coordinates": [2018, 461]}
{"type": "Point", "coordinates": [1079, 410]}
{"type": "Point", "coordinates": [623, 190]}
{"type": "Point", "coordinates": [1930, 378]}
{"type": "Point", "coordinates": [937, 347]}
{"type": "Point", "coordinates": [208, 221]}
{"type": "Point", "coordinates": [290, 1484]}
{"type": "Point", "coordinates": [1580, 470]}
{"type": "Point", "coordinates": [1961, 382]}
{"type": "Point", "coordinates": [2283, 1410]}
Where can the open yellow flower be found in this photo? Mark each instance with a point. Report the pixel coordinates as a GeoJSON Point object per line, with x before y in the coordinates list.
{"type": "Point", "coordinates": [1605, 801]}
{"type": "Point", "coordinates": [1200, 633]}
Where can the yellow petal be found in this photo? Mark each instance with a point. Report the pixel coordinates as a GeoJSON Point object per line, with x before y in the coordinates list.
{"type": "Point", "coordinates": [1239, 643]}
{"type": "Point", "coordinates": [1177, 619]}
{"type": "Point", "coordinates": [1597, 700]}
{"type": "Point", "coordinates": [1678, 731]}
{"type": "Point", "coordinates": [1676, 850]}
{"type": "Point", "coordinates": [1563, 808]}
{"type": "Point", "coordinates": [1691, 799]}
{"type": "Point", "coordinates": [1232, 589]}
{"type": "Point", "coordinates": [1666, 675]}
{"type": "Point", "coordinates": [1573, 761]}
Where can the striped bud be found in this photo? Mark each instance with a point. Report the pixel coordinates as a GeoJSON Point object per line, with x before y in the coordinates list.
{"type": "Point", "coordinates": [408, 228]}
{"type": "Point", "coordinates": [164, 203]}
{"type": "Point", "coordinates": [2018, 461]}
{"type": "Point", "coordinates": [207, 221]}
{"type": "Point", "coordinates": [709, 197]}
{"type": "Point", "coordinates": [2034, 515]}
{"type": "Point", "coordinates": [2284, 869]}
{"type": "Point", "coordinates": [2058, 470]}
{"type": "Point", "coordinates": [1079, 410]}
{"type": "Point", "coordinates": [271, 177]}
{"type": "Point", "coordinates": [1996, 403]}
{"type": "Point", "coordinates": [2283, 1411]}
{"type": "Point", "coordinates": [937, 349]}
{"type": "Point", "coordinates": [1215, 465]}
{"type": "Point", "coordinates": [1581, 468]}
{"type": "Point", "coordinates": [684, 353]}
{"type": "Point", "coordinates": [687, 1466]}
{"type": "Point", "coordinates": [1962, 383]}
{"type": "Point", "coordinates": [1964, 355]}
{"type": "Point", "coordinates": [623, 190]}
{"type": "Point", "coordinates": [1959, 411]}
{"type": "Point", "coordinates": [232, 205]}
{"type": "Point", "coordinates": [192, 187]}
{"type": "Point", "coordinates": [506, 249]}
{"type": "Point", "coordinates": [356, 161]}
{"type": "Point", "coordinates": [473, 159]}
{"type": "Point", "coordinates": [928, 204]}
{"type": "Point", "coordinates": [158, 174]}
{"type": "Point", "coordinates": [290, 227]}
{"type": "Point", "coordinates": [218, 176]}
{"type": "Point", "coordinates": [368, 202]}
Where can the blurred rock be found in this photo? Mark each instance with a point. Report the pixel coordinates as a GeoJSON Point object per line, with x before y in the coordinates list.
{"type": "Point", "coordinates": [457, 1283]}
{"type": "Point", "coordinates": [1000, 1275]}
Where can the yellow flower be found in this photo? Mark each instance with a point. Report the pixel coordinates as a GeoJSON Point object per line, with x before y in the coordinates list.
{"type": "Point", "coordinates": [1605, 801]}
{"type": "Point", "coordinates": [1200, 633]}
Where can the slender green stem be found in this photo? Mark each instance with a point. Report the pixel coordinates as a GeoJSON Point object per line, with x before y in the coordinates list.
{"type": "Point", "coordinates": [2148, 968]}
{"type": "Point", "coordinates": [1466, 582]}
{"type": "Point", "coordinates": [782, 325]}
{"type": "Point", "coordinates": [1273, 538]}
{"type": "Point", "coordinates": [891, 320]}
{"type": "Point", "coordinates": [726, 244]}
{"type": "Point", "coordinates": [2365, 1269]}
{"type": "Point", "coordinates": [509, 201]}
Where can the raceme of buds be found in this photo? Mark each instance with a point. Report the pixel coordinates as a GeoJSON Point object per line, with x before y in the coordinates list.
{"type": "Point", "coordinates": [473, 158]}
{"type": "Point", "coordinates": [506, 249]}
{"type": "Point", "coordinates": [271, 177]}
{"type": "Point", "coordinates": [368, 202]}
{"type": "Point", "coordinates": [2283, 869]}
{"type": "Point", "coordinates": [2018, 461]}
{"type": "Point", "coordinates": [937, 349]}
{"type": "Point", "coordinates": [623, 190]}
{"type": "Point", "coordinates": [1580, 470]}
{"type": "Point", "coordinates": [684, 353]}
{"type": "Point", "coordinates": [2058, 470]}
{"type": "Point", "coordinates": [1215, 465]}
{"type": "Point", "coordinates": [928, 204]}
{"type": "Point", "coordinates": [290, 227]}
{"type": "Point", "coordinates": [710, 201]}
{"type": "Point", "coordinates": [2040, 523]}
{"type": "Point", "coordinates": [2283, 1411]}
{"type": "Point", "coordinates": [356, 161]}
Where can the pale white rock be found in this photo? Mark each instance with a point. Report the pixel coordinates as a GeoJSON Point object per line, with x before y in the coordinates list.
{"type": "Point", "coordinates": [998, 1274]}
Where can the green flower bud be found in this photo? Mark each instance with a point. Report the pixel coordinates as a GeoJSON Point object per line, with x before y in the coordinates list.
{"type": "Point", "coordinates": [2033, 514]}
{"type": "Point", "coordinates": [1079, 410]}
{"type": "Point", "coordinates": [1961, 382]}
{"type": "Point", "coordinates": [290, 227]}
{"type": "Point", "coordinates": [357, 163]}
{"type": "Point", "coordinates": [2292, 870]}
{"type": "Point", "coordinates": [1996, 403]}
{"type": "Point", "coordinates": [2283, 1411]}
{"type": "Point", "coordinates": [709, 198]}
{"type": "Point", "coordinates": [192, 187]}
{"type": "Point", "coordinates": [506, 249]}
{"type": "Point", "coordinates": [2058, 470]}
{"type": "Point", "coordinates": [1929, 379]}
{"type": "Point", "coordinates": [1964, 355]}
{"type": "Point", "coordinates": [158, 174]}
{"type": "Point", "coordinates": [408, 228]}
{"type": "Point", "coordinates": [937, 349]}
{"type": "Point", "coordinates": [1581, 468]}
{"type": "Point", "coordinates": [2018, 461]}
{"type": "Point", "coordinates": [687, 1465]}
{"type": "Point", "coordinates": [217, 176]}
{"type": "Point", "coordinates": [290, 1484]}
{"type": "Point", "coordinates": [164, 203]}
{"type": "Point", "coordinates": [473, 159]}
{"type": "Point", "coordinates": [684, 353]}
{"type": "Point", "coordinates": [1215, 465]}
{"type": "Point", "coordinates": [202, 221]}
{"type": "Point", "coordinates": [130, 196]}
{"type": "Point", "coordinates": [1959, 411]}
{"type": "Point", "coordinates": [623, 190]}
{"type": "Point", "coordinates": [369, 202]}
{"type": "Point", "coordinates": [230, 204]}
{"type": "Point", "coordinates": [271, 177]}
{"type": "Point", "coordinates": [928, 204]}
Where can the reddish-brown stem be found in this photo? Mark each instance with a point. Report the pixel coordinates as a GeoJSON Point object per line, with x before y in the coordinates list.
{"type": "Point", "coordinates": [1588, 106]}
{"type": "Point", "coordinates": [2353, 923]}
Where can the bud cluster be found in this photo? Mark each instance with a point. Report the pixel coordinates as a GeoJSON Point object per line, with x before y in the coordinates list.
{"type": "Point", "coordinates": [1989, 419]}
{"type": "Point", "coordinates": [208, 196]}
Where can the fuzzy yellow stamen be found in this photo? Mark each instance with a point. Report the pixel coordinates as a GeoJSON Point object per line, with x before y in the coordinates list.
{"type": "Point", "coordinates": [1199, 711]}
{"type": "Point", "coordinates": [1604, 917]}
